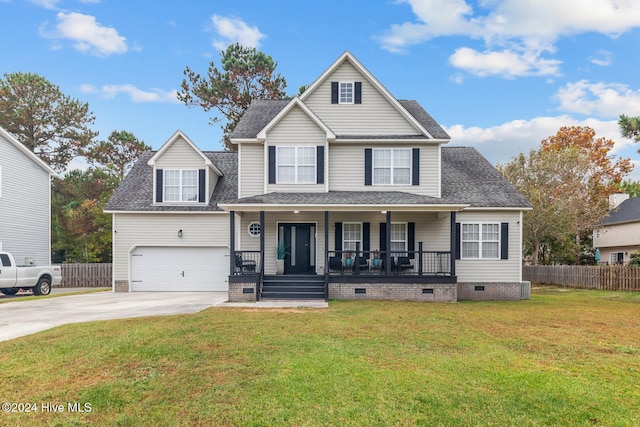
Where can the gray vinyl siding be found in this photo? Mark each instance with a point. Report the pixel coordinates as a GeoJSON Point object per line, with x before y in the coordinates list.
{"type": "Point", "coordinates": [25, 213]}
{"type": "Point", "coordinates": [213, 180]}
{"type": "Point", "coordinates": [346, 168]}
{"type": "Point", "coordinates": [161, 229]}
{"type": "Point", "coordinates": [180, 155]}
{"type": "Point", "coordinates": [432, 229]}
{"type": "Point", "coordinates": [375, 116]}
{"type": "Point", "coordinates": [493, 271]}
{"type": "Point", "coordinates": [251, 169]}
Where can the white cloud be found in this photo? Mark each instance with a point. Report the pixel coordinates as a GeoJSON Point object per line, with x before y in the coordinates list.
{"type": "Point", "coordinates": [47, 4]}
{"type": "Point", "coordinates": [601, 58]}
{"type": "Point", "coordinates": [87, 34]}
{"type": "Point", "coordinates": [135, 94]}
{"type": "Point", "coordinates": [232, 30]}
{"type": "Point", "coordinates": [501, 143]}
{"type": "Point", "coordinates": [515, 32]}
{"type": "Point", "coordinates": [507, 63]}
{"type": "Point", "coordinates": [607, 100]}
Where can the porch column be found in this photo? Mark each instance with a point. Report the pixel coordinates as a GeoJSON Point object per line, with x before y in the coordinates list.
{"type": "Point", "coordinates": [452, 244]}
{"type": "Point", "coordinates": [232, 241]}
{"type": "Point", "coordinates": [262, 231]}
{"type": "Point", "coordinates": [387, 238]}
{"type": "Point", "coordinates": [326, 242]}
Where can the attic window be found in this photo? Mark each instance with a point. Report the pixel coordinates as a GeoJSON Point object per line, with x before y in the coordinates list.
{"type": "Point", "coordinates": [346, 92]}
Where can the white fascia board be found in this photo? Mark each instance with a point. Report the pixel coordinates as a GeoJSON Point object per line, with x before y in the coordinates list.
{"type": "Point", "coordinates": [167, 212]}
{"type": "Point", "coordinates": [246, 207]}
{"type": "Point", "coordinates": [498, 209]}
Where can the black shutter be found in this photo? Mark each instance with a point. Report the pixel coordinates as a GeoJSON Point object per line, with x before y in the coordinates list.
{"type": "Point", "coordinates": [159, 185]}
{"type": "Point", "coordinates": [272, 164]}
{"type": "Point", "coordinates": [320, 164]}
{"type": "Point", "coordinates": [457, 248]}
{"type": "Point", "coordinates": [338, 238]}
{"type": "Point", "coordinates": [504, 240]}
{"type": "Point", "coordinates": [415, 179]}
{"type": "Point", "coordinates": [383, 236]}
{"type": "Point", "coordinates": [368, 166]}
{"type": "Point", "coordinates": [334, 92]}
{"type": "Point", "coordinates": [411, 239]}
{"type": "Point", "coordinates": [357, 92]}
{"type": "Point", "coordinates": [366, 238]}
{"type": "Point", "coordinates": [201, 185]}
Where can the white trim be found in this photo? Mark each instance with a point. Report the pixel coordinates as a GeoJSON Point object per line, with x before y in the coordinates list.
{"type": "Point", "coordinates": [347, 56]}
{"type": "Point", "coordinates": [296, 165]}
{"type": "Point", "coordinates": [371, 139]}
{"type": "Point", "coordinates": [344, 249]}
{"type": "Point", "coordinates": [181, 187]}
{"type": "Point", "coordinates": [20, 146]}
{"type": "Point", "coordinates": [272, 207]}
{"type": "Point", "coordinates": [488, 209]}
{"type": "Point", "coordinates": [170, 212]}
{"type": "Point", "coordinates": [315, 238]}
{"type": "Point", "coordinates": [391, 166]}
{"type": "Point", "coordinates": [249, 229]}
{"type": "Point", "coordinates": [520, 247]}
{"type": "Point", "coordinates": [439, 167]}
{"type": "Point", "coordinates": [179, 134]}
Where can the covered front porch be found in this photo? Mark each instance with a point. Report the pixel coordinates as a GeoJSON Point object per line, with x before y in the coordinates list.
{"type": "Point", "coordinates": [363, 246]}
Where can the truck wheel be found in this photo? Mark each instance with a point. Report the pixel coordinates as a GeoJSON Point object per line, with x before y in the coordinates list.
{"type": "Point", "coordinates": [10, 291]}
{"type": "Point", "coordinates": [43, 287]}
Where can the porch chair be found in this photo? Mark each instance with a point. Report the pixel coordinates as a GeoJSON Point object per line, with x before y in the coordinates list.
{"type": "Point", "coordinates": [404, 263]}
{"type": "Point", "coordinates": [245, 266]}
{"type": "Point", "coordinates": [335, 263]}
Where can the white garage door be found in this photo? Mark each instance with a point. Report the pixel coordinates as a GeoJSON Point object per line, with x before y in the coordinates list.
{"type": "Point", "coordinates": [179, 269]}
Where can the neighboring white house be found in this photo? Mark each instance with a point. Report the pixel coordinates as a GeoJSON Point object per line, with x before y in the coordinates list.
{"type": "Point", "coordinates": [25, 202]}
{"type": "Point", "coordinates": [355, 184]}
{"type": "Point", "coordinates": [619, 233]}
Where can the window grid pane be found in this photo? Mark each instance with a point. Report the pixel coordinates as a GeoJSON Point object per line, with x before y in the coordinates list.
{"type": "Point", "coordinates": [181, 185]}
{"type": "Point", "coordinates": [351, 234]}
{"type": "Point", "coordinates": [481, 241]}
{"type": "Point", "coordinates": [346, 93]}
{"type": "Point", "coordinates": [392, 166]}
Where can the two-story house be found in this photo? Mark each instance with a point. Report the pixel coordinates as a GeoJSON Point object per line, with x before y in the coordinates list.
{"type": "Point", "coordinates": [25, 202]}
{"type": "Point", "coordinates": [618, 235]}
{"type": "Point", "coordinates": [350, 186]}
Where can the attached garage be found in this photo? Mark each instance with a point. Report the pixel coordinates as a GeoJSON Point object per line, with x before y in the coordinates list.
{"type": "Point", "coordinates": [180, 269]}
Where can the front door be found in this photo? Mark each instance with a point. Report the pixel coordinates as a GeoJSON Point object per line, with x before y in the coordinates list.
{"type": "Point", "coordinates": [300, 240]}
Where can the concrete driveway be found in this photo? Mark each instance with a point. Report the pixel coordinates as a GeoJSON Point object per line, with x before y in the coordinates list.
{"type": "Point", "coordinates": [19, 318]}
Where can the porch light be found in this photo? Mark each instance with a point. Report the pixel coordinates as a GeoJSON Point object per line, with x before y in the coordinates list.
{"type": "Point", "coordinates": [180, 233]}
{"type": "Point", "coordinates": [383, 212]}
{"type": "Point", "coordinates": [296, 211]}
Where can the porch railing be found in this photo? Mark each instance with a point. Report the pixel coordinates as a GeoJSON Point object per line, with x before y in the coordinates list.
{"type": "Point", "coordinates": [420, 262]}
{"type": "Point", "coordinates": [246, 262]}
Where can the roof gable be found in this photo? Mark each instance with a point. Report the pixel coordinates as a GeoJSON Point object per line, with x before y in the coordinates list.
{"type": "Point", "coordinates": [177, 138]}
{"type": "Point", "coordinates": [295, 102]}
{"type": "Point", "coordinates": [20, 146]}
{"type": "Point", "coordinates": [347, 57]}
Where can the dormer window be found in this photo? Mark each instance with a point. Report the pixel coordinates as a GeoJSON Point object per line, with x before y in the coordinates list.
{"type": "Point", "coordinates": [346, 92]}
{"type": "Point", "coordinates": [180, 185]}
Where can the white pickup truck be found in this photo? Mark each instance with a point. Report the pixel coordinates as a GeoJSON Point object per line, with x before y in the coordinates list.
{"type": "Point", "coordinates": [37, 278]}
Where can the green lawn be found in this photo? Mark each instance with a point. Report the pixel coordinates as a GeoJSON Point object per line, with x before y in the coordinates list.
{"type": "Point", "coordinates": [562, 358]}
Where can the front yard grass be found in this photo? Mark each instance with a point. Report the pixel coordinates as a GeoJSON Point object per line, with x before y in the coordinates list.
{"type": "Point", "coordinates": [565, 357]}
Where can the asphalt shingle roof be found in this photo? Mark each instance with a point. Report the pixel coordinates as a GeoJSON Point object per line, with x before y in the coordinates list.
{"type": "Point", "coordinates": [467, 178]}
{"type": "Point", "coordinates": [627, 211]}
{"type": "Point", "coordinates": [135, 193]}
{"type": "Point", "coordinates": [262, 111]}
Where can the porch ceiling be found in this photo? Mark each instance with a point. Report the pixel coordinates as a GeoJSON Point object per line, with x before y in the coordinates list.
{"type": "Point", "coordinates": [333, 201]}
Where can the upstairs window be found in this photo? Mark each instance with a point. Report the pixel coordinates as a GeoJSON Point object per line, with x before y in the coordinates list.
{"type": "Point", "coordinates": [392, 166]}
{"type": "Point", "coordinates": [346, 93]}
{"type": "Point", "coordinates": [180, 185]}
{"type": "Point", "coordinates": [296, 165]}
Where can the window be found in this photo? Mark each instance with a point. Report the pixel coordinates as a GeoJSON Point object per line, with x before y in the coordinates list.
{"type": "Point", "coordinates": [254, 229]}
{"type": "Point", "coordinates": [6, 262]}
{"type": "Point", "coordinates": [481, 241]}
{"type": "Point", "coordinates": [398, 238]}
{"type": "Point", "coordinates": [346, 93]}
{"type": "Point", "coordinates": [392, 166]}
{"type": "Point", "coordinates": [180, 185]}
{"type": "Point", "coordinates": [296, 165]}
{"type": "Point", "coordinates": [351, 234]}
{"type": "Point", "coordinates": [617, 258]}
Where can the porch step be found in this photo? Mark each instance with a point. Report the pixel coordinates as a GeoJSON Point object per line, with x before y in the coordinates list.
{"type": "Point", "coordinates": [293, 287]}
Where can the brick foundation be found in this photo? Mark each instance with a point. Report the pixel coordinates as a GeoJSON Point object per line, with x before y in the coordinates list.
{"type": "Point", "coordinates": [442, 292]}
{"type": "Point", "coordinates": [244, 291]}
{"type": "Point", "coordinates": [489, 291]}
{"type": "Point", "coordinates": [121, 286]}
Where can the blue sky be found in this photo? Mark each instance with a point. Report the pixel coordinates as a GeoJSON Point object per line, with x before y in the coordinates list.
{"type": "Point", "coordinates": [499, 75]}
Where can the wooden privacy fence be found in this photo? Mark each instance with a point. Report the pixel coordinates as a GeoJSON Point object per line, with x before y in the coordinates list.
{"type": "Point", "coordinates": [86, 275]}
{"type": "Point", "coordinates": [613, 278]}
